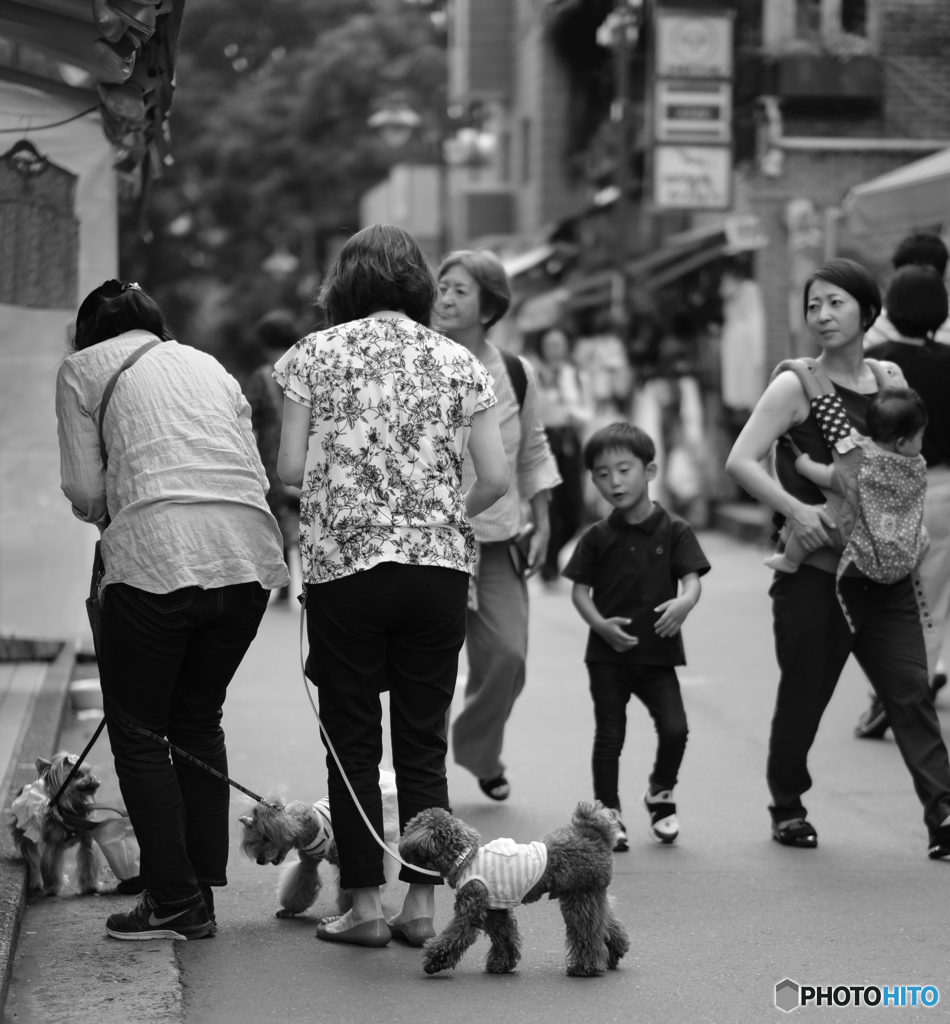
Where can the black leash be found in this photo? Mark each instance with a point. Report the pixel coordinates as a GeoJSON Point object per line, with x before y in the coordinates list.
{"type": "Point", "coordinates": [194, 760]}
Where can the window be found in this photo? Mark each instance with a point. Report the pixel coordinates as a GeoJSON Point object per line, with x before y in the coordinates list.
{"type": "Point", "coordinates": [816, 20]}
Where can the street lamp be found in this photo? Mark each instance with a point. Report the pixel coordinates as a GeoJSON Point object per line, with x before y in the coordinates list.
{"type": "Point", "coordinates": [620, 32]}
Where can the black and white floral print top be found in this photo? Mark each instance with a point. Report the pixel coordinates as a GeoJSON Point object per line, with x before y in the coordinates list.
{"type": "Point", "coordinates": [391, 410]}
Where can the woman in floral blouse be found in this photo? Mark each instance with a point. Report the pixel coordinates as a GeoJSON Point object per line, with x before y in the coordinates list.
{"type": "Point", "coordinates": [379, 412]}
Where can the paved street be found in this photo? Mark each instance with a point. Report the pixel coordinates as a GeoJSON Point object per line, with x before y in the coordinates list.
{"type": "Point", "coordinates": [715, 921]}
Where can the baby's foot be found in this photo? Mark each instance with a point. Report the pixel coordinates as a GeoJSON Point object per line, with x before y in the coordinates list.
{"type": "Point", "coordinates": [781, 564]}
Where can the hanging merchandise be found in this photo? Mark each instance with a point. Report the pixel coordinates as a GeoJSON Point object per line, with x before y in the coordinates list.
{"type": "Point", "coordinates": [742, 343]}
{"type": "Point", "coordinates": [39, 231]}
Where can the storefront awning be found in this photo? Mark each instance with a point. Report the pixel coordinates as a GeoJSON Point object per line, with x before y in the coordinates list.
{"type": "Point", "coordinates": [677, 256]}
{"type": "Point", "coordinates": [914, 196]}
{"type": "Point", "coordinates": [525, 261]}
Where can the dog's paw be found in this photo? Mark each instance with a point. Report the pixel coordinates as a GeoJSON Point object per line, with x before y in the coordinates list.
{"type": "Point", "coordinates": [284, 912]}
{"type": "Point", "coordinates": [583, 971]}
{"type": "Point", "coordinates": [436, 958]}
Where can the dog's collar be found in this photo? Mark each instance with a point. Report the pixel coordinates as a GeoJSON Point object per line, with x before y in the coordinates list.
{"type": "Point", "coordinates": [318, 848]}
{"type": "Point", "coordinates": [452, 874]}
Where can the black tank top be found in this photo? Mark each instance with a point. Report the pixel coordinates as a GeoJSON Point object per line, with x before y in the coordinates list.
{"type": "Point", "coordinates": [808, 438]}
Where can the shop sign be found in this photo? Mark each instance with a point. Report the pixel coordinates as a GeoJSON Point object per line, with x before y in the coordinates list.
{"type": "Point", "coordinates": [693, 44]}
{"type": "Point", "coordinates": [692, 177]}
{"type": "Point", "coordinates": [744, 233]}
{"type": "Point", "coordinates": [693, 111]}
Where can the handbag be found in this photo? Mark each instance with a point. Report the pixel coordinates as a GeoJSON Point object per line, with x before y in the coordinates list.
{"type": "Point", "coordinates": [93, 603]}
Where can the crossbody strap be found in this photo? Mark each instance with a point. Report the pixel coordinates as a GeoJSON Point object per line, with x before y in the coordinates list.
{"type": "Point", "coordinates": [110, 387]}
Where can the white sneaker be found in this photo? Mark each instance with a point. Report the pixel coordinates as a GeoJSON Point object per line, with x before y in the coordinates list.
{"type": "Point", "coordinates": [664, 828]}
{"type": "Point", "coordinates": [620, 844]}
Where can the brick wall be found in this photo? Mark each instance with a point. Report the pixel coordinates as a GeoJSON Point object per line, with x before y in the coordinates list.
{"type": "Point", "coordinates": [914, 47]}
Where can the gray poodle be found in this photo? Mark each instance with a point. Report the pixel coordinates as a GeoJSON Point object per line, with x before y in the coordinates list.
{"type": "Point", "coordinates": [573, 864]}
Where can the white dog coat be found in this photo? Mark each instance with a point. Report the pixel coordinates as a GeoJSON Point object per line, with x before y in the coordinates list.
{"type": "Point", "coordinates": [507, 869]}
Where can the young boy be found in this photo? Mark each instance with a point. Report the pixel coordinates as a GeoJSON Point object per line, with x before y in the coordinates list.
{"type": "Point", "coordinates": [625, 571]}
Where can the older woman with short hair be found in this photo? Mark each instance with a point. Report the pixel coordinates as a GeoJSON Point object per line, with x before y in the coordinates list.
{"type": "Point", "coordinates": [475, 295]}
{"type": "Point", "coordinates": [379, 414]}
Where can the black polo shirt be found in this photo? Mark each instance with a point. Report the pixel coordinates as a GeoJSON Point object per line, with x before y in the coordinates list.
{"type": "Point", "coordinates": [632, 569]}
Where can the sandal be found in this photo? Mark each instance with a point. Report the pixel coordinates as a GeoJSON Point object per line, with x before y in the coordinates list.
{"type": "Point", "coordinates": [496, 788]}
{"type": "Point", "coordinates": [795, 832]}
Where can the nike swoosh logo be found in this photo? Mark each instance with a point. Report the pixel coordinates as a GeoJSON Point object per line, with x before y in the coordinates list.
{"type": "Point", "coordinates": [156, 921]}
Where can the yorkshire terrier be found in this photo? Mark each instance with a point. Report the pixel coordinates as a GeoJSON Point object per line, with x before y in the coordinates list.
{"type": "Point", "coordinates": [40, 834]}
{"type": "Point", "coordinates": [573, 864]}
{"type": "Point", "coordinates": [272, 830]}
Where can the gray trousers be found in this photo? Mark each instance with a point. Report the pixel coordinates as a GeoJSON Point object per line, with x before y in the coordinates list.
{"type": "Point", "coordinates": [497, 646]}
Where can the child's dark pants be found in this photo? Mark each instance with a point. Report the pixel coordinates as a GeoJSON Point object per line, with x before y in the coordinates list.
{"type": "Point", "coordinates": [611, 686]}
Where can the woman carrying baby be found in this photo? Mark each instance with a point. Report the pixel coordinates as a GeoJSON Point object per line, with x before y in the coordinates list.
{"type": "Point", "coordinates": [379, 411]}
{"type": "Point", "coordinates": [812, 636]}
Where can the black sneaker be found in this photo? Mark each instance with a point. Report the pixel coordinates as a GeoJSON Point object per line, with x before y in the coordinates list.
{"type": "Point", "coordinates": [150, 920]}
{"type": "Point", "coordinates": [208, 896]}
{"type": "Point", "coordinates": [939, 843]}
{"type": "Point", "coordinates": [620, 844]}
{"type": "Point", "coordinates": [873, 723]}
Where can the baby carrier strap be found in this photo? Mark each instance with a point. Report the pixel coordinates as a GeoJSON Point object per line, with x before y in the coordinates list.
{"type": "Point", "coordinates": [815, 382]}
{"type": "Point", "coordinates": [886, 374]}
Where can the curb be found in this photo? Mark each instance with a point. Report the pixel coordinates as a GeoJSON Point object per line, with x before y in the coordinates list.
{"type": "Point", "coordinates": [38, 736]}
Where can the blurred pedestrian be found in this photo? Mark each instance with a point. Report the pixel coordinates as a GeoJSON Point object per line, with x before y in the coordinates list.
{"type": "Point", "coordinates": [812, 637]}
{"type": "Point", "coordinates": [475, 295]}
{"type": "Point", "coordinates": [921, 249]}
{"type": "Point", "coordinates": [190, 551]}
{"type": "Point", "coordinates": [917, 307]}
{"type": "Point", "coordinates": [563, 412]}
{"type": "Point", "coordinates": [379, 414]}
{"type": "Point", "coordinates": [636, 578]}
{"type": "Point", "coordinates": [275, 332]}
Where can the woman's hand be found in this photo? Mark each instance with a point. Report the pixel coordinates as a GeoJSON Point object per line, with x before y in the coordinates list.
{"type": "Point", "coordinates": [808, 523]}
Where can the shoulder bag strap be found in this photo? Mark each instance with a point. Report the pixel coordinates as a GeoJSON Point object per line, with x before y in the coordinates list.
{"type": "Point", "coordinates": [517, 375]}
{"type": "Point", "coordinates": [110, 387]}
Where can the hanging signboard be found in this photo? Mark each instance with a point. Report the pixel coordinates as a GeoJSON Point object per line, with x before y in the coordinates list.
{"type": "Point", "coordinates": [692, 44]}
{"type": "Point", "coordinates": [692, 177]}
{"type": "Point", "coordinates": [693, 111]}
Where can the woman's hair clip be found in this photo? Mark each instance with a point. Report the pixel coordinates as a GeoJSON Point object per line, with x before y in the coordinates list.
{"type": "Point", "coordinates": [126, 285]}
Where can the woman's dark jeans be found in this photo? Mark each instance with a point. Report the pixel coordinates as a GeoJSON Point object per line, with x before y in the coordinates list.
{"type": "Point", "coordinates": [611, 686]}
{"type": "Point", "coordinates": [812, 644]}
{"type": "Point", "coordinates": [394, 627]}
{"type": "Point", "coordinates": [165, 663]}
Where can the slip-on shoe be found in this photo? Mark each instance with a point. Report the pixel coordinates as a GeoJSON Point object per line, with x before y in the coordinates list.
{"type": "Point", "coordinates": [415, 932]}
{"type": "Point", "coordinates": [366, 933]}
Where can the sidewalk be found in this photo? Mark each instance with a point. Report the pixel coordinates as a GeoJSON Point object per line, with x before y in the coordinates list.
{"type": "Point", "coordinates": [33, 699]}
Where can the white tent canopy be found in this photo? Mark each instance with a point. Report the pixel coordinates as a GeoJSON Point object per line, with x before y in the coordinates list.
{"type": "Point", "coordinates": [914, 196]}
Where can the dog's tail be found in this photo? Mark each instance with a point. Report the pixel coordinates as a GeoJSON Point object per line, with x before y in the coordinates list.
{"type": "Point", "coordinates": [595, 822]}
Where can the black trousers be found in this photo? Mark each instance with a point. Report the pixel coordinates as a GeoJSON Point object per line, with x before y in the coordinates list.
{"type": "Point", "coordinates": [567, 499]}
{"type": "Point", "coordinates": [166, 661]}
{"type": "Point", "coordinates": [656, 686]}
{"type": "Point", "coordinates": [399, 628]}
{"type": "Point", "coordinates": [812, 644]}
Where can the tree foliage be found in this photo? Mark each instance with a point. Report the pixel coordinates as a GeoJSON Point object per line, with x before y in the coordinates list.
{"type": "Point", "coordinates": [272, 149]}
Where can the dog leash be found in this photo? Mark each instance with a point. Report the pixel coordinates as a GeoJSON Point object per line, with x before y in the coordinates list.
{"type": "Point", "coordinates": [196, 761]}
{"type": "Point", "coordinates": [332, 749]}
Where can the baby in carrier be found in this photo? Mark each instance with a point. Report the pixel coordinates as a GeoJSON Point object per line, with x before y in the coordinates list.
{"type": "Point", "coordinates": [875, 489]}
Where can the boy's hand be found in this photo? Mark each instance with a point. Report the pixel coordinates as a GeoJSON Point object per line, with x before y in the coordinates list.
{"type": "Point", "coordinates": [674, 615]}
{"type": "Point", "coordinates": [612, 631]}
{"type": "Point", "coordinates": [803, 461]}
